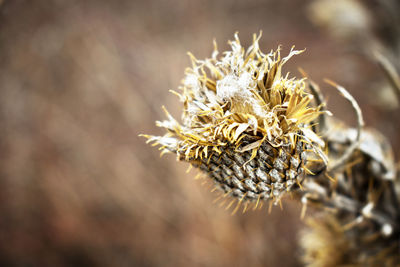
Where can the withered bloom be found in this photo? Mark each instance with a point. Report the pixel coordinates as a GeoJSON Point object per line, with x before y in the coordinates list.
{"type": "Point", "coordinates": [256, 133]}
{"type": "Point", "coordinates": [250, 127]}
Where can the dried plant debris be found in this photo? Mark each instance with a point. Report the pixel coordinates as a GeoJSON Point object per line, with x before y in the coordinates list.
{"type": "Point", "coordinates": [260, 134]}
{"type": "Point", "coordinates": [360, 208]}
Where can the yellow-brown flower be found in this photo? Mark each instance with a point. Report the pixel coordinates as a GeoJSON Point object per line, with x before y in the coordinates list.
{"type": "Point", "coordinates": [245, 124]}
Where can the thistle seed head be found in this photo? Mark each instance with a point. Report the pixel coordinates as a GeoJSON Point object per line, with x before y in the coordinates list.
{"type": "Point", "coordinates": [244, 123]}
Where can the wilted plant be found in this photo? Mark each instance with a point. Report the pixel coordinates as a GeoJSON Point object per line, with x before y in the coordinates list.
{"type": "Point", "coordinates": [260, 134]}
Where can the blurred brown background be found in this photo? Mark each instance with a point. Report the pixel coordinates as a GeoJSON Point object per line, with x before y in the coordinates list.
{"type": "Point", "coordinates": [79, 81]}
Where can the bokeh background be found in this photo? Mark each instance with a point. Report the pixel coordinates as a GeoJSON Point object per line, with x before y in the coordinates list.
{"type": "Point", "coordinates": [80, 80]}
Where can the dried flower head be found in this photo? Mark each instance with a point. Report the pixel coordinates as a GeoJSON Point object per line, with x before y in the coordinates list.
{"type": "Point", "coordinates": [324, 243]}
{"type": "Point", "coordinates": [328, 242]}
{"type": "Point", "coordinates": [245, 124]}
